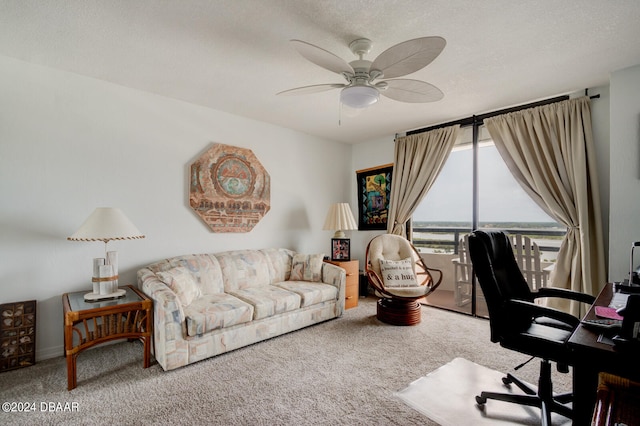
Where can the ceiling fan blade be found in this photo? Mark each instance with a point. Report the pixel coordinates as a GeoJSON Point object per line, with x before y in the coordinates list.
{"type": "Point", "coordinates": [322, 57]}
{"type": "Point", "coordinates": [311, 89]}
{"type": "Point", "coordinates": [414, 91]}
{"type": "Point", "coordinates": [408, 56]}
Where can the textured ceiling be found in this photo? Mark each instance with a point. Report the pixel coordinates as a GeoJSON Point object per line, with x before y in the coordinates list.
{"type": "Point", "coordinates": [234, 55]}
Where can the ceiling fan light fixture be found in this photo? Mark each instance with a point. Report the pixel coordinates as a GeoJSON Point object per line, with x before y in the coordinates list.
{"type": "Point", "coordinates": [359, 96]}
{"type": "Point", "coordinates": [363, 87]}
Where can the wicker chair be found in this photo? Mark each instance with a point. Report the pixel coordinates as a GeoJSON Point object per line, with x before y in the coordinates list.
{"type": "Point", "coordinates": [398, 305]}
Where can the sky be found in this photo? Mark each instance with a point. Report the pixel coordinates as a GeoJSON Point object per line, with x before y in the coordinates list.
{"type": "Point", "coordinates": [502, 199]}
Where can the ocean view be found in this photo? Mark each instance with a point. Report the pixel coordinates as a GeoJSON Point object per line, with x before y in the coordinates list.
{"type": "Point", "coordinates": [442, 236]}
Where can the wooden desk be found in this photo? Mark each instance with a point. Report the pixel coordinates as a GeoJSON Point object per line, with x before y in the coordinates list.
{"type": "Point", "coordinates": [593, 357]}
{"type": "Point", "coordinates": [90, 323]}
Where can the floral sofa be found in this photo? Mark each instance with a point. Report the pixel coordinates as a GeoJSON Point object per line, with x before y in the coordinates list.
{"type": "Point", "coordinates": [208, 304]}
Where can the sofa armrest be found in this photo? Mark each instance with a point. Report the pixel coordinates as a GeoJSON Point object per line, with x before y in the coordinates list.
{"type": "Point", "coordinates": [164, 297]}
{"type": "Point", "coordinates": [169, 325]}
{"type": "Point", "coordinates": [160, 293]}
{"type": "Point", "coordinates": [336, 276]}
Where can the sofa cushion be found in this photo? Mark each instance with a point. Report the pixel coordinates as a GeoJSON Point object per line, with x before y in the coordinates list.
{"type": "Point", "coordinates": [268, 300]}
{"type": "Point", "coordinates": [279, 261]}
{"type": "Point", "coordinates": [243, 269]}
{"type": "Point", "coordinates": [214, 311]}
{"type": "Point", "coordinates": [311, 293]}
{"type": "Point", "coordinates": [398, 273]}
{"type": "Point", "coordinates": [203, 267]}
{"type": "Point", "coordinates": [307, 267]}
{"type": "Point", "coordinates": [182, 283]}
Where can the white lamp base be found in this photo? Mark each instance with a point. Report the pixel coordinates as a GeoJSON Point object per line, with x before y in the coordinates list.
{"type": "Point", "coordinates": [95, 297]}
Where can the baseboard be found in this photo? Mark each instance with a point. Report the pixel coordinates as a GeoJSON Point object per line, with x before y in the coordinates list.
{"type": "Point", "coordinates": [56, 351]}
{"type": "Point", "coordinates": [48, 353]}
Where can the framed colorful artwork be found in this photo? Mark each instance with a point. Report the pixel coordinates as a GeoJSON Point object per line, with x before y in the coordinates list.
{"type": "Point", "coordinates": [374, 189]}
{"type": "Point", "coordinates": [340, 249]}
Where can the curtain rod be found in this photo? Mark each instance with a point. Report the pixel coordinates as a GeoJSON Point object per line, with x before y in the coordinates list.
{"type": "Point", "coordinates": [480, 118]}
{"type": "Point", "coordinates": [586, 93]}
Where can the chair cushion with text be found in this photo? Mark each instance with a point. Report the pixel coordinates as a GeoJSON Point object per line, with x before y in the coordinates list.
{"type": "Point", "coordinates": [398, 273]}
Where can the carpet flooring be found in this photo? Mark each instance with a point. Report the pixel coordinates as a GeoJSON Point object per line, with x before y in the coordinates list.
{"type": "Point", "coordinates": [342, 372]}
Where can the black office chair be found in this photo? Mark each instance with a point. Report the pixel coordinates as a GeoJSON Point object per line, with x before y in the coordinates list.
{"type": "Point", "coordinates": [519, 324]}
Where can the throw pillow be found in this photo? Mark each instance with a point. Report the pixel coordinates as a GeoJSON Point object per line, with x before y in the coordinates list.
{"type": "Point", "coordinates": [398, 273]}
{"type": "Point", "coordinates": [306, 267]}
{"type": "Point", "coordinates": [182, 283]}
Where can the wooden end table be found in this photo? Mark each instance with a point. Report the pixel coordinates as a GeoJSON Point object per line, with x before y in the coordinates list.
{"type": "Point", "coordinates": [91, 323]}
{"type": "Point", "coordinates": [353, 281]}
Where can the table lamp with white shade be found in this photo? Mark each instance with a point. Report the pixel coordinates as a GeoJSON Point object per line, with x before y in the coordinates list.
{"type": "Point", "coordinates": [106, 224]}
{"type": "Point", "coordinates": [340, 219]}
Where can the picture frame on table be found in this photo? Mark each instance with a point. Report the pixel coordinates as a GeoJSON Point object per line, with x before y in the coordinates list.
{"type": "Point", "coordinates": [340, 249]}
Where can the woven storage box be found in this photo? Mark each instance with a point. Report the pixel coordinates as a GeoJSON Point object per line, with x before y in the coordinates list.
{"type": "Point", "coordinates": [17, 335]}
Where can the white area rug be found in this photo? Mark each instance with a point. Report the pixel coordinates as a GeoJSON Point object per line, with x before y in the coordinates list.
{"type": "Point", "coordinates": [447, 396]}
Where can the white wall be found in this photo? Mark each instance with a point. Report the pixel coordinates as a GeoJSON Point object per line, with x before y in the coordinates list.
{"type": "Point", "coordinates": [69, 144]}
{"type": "Point", "coordinates": [625, 170]}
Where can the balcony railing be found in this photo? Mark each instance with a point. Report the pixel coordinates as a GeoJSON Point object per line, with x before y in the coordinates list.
{"type": "Point", "coordinates": [445, 239]}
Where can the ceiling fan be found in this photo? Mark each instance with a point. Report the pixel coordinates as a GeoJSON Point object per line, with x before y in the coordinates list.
{"type": "Point", "coordinates": [362, 89]}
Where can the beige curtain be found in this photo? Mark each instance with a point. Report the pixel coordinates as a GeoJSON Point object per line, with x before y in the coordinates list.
{"type": "Point", "coordinates": [550, 151]}
{"type": "Point", "coordinates": [417, 162]}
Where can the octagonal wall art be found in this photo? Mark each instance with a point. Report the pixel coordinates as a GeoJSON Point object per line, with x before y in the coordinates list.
{"type": "Point", "coordinates": [229, 189]}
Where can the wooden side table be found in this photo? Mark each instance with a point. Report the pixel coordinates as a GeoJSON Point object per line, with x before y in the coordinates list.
{"type": "Point", "coordinates": [353, 281]}
{"type": "Point", "coordinates": [91, 323]}
{"type": "Point", "coordinates": [617, 401]}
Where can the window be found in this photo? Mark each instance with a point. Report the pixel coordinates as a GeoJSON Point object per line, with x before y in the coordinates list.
{"type": "Point", "coordinates": [447, 213]}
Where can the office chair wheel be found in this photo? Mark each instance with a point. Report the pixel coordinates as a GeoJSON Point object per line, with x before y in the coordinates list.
{"type": "Point", "coordinates": [481, 400]}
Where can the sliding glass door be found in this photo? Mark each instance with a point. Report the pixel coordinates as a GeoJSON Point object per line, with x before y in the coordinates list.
{"type": "Point", "coordinates": [477, 190]}
{"type": "Point", "coordinates": [442, 219]}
